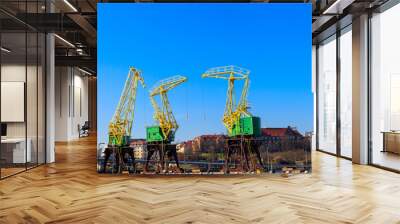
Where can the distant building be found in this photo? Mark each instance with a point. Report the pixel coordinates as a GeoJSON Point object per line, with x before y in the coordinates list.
{"type": "Point", "coordinates": [284, 139]}
{"type": "Point", "coordinates": [200, 145]}
{"type": "Point", "coordinates": [279, 134]}
{"type": "Point", "coordinates": [185, 147]}
{"type": "Point", "coordinates": [184, 150]}
{"type": "Point", "coordinates": [139, 148]}
{"type": "Point", "coordinates": [207, 143]}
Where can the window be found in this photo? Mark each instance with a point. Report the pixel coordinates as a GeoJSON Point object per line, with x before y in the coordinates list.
{"type": "Point", "coordinates": [346, 92]}
{"type": "Point", "coordinates": [327, 95]}
{"type": "Point", "coordinates": [385, 88]}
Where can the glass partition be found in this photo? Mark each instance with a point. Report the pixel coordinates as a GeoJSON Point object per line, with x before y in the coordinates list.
{"type": "Point", "coordinates": [385, 88]}
{"type": "Point", "coordinates": [22, 90]}
{"type": "Point", "coordinates": [14, 153]}
{"type": "Point", "coordinates": [327, 95]}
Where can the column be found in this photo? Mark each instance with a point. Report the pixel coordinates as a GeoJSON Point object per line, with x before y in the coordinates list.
{"type": "Point", "coordinates": [360, 90]}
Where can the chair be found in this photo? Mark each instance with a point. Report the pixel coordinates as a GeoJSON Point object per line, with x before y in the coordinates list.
{"type": "Point", "coordinates": [84, 130]}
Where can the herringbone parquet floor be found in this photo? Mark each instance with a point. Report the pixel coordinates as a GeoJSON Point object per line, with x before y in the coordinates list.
{"type": "Point", "coordinates": [70, 191]}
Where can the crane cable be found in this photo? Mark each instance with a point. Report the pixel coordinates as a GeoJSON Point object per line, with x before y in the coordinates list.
{"type": "Point", "coordinates": [186, 102]}
{"type": "Point", "coordinates": [202, 102]}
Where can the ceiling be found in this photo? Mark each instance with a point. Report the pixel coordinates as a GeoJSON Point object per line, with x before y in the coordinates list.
{"type": "Point", "coordinates": [332, 15]}
{"type": "Point", "coordinates": [75, 23]}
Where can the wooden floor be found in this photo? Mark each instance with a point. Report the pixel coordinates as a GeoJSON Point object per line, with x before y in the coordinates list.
{"type": "Point", "coordinates": [70, 191]}
{"type": "Point", "coordinates": [386, 159]}
{"type": "Point", "coordinates": [5, 172]}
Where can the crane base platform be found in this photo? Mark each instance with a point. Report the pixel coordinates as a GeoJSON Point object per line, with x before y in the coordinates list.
{"type": "Point", "coordinates": [157, 152]}
{"type": "Point", "coordinates": [241, 149]}
{"type": "Point", "coordinates": [120, 162]}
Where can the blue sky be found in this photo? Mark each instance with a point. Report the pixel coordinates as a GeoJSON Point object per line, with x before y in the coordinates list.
{"type": "Point", "coordinates": [273, 41]}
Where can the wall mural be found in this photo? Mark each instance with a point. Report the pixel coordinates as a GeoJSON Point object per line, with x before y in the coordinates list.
{"type": "Point", "coordinates": [238, 101]}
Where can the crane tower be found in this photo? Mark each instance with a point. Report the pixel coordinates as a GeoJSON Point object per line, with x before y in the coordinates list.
{"type": "Point", "coordinates": [167, 125]}
{"type": "Point", "coordinates": [120, 126]}
{"type": "Point", "coordinates": [237, 119]}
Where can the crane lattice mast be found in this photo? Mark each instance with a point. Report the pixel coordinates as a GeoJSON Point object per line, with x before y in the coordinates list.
{"type": "Point", "coordinates": [120, 126]}
{"type": "Point", "coordinates": [233, 111]}
{"type": "Point", "coordinates": [163, 114]}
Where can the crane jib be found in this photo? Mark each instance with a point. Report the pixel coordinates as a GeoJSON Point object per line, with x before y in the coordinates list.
{"type": "Point", "coordinates": [167, 124]}
{"type": "Point", "coordinates": [120, 126]}
{"type": "Point", "coordinates": [233, 111]}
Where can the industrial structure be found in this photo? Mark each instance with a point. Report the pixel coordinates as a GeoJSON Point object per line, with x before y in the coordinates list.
{"type": "Point", "coordinates": [120, 126]}
{"type": "Point", "coordinates": [240, 150]}
{"type": "Point", "coordinates": [243, 128]}
{"type": "Point", "coordinates": [237, 119]}
{"type": "Point", "coordinates": [160, 137]}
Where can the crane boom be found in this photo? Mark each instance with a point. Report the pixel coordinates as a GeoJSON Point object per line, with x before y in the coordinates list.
{"type": "Point", "coordinates": [120, 126]}
{"type": "Point", "coordinates": [163, 115]}
{"type": "Point", "coordinates": [233, 111]}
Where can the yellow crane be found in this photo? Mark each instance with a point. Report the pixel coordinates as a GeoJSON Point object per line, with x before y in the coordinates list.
{"type": "Point", "coordinates": [233, 112]}
{"type": "Point", "coordinates": [120, 126]}
{"type": "Point", "coordinates": [163, 114]}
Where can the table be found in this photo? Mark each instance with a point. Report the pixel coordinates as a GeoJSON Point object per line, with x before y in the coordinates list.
{"type": "Point", "coordinates": [391, 141]}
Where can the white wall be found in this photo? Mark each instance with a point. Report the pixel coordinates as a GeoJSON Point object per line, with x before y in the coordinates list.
{"type": "Point", "coordinates": [62, 82]}
{"type": "Point", "coordinates": [12, 73]}
{"type": "Point", "coordinates": [71, 102]}
{"type": "Point", "coordinates": [80, 110]}
{"type": "Point", "coordinates": [33, 127]}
